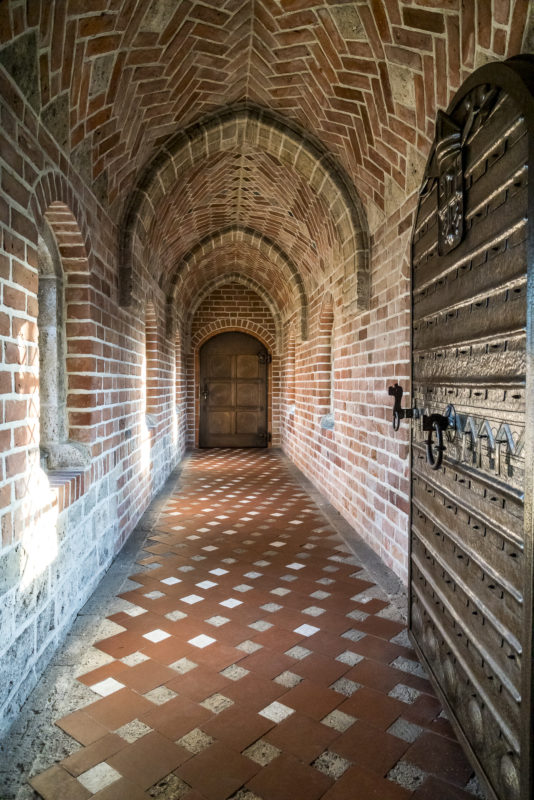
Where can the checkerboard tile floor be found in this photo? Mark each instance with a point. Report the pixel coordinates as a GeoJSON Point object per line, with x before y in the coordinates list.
{"type": "Point", "coordinates": [255, 661]}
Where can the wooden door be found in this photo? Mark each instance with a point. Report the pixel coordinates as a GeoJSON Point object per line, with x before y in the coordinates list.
{"type": "Point", "coordinates": [471, 532]}
{"type": "Point", "coordinates": [233, 392]}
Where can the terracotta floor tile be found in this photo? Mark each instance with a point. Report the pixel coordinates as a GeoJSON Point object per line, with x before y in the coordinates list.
{"type": "Point", "coordinates": [275, 638]}
{"type": "Point", "coordinates": [442, 727]}
{"type": "Point", "coordinates": [82, 727]}
{"type": "Point", "coordinates": [326, 643]}
{"type": "Point", "coordinates": [118, 708]}
{"type": "Point", "coordinates": [357, 585]}
{"type": "Point", "coordinates": [217, 772]}
{"type": "Point", "coordinates": [167, 651]}
{"type": "Point", "coordinates": [374, 707]}
{"type": "Point", "coordinates": [122, 789]}
{"type": "Point", "coordinates": [107, 671]}
{"type": "Point", "coordinates": [370, 748]}
{"type": "Point", "coordinates": [217, 657]}
{"type": "Point", "coordinates": [230, 634]}
{"type": "Point", "coordinates": [199, 683]}
{"type": "Point", "coordinates": [286, 778]}
{"type": "Point", "coordinates": [267, 663]}
{"type": "Point", "coordinates": [148, 759]}
{"type": "Point", "coordinates": [373, 606]}
{"type": "Point", "coordinates": [176, 717]}
{"type": "Point", "coordinates": [145, 676]}
{"type": "Point", "coordinates": [237, 727]}
{"type": "Point", "coordinates": [122, 644]}
{"type": "Point", "coordinates": [286, 619]}
{"type": "Point", "coordinates": [379, 626]}
{"type": "Point", "coordinates": [57, 784]}
{"type": "Point", "coordinates": [358, 783]}
{"type": "Point", "coordinates": [312, 699]}
{"type": "Point", "coordinates": [301, 736]}
{"type": "Point", "coordinates": [320, 668]}
{"type": "Point", "coordinates": [141, 623]}
{"type": "Point", "coordinates": [254, 692]}
{"type": "Point", "coordinates": [441, 757]}
{"type": "Point", "coordinates": [87, 757]}
{"type": "Point", "coordinates": [375, 675]}
{"type": "Point", "coordinates": [380, 650]}
{"type": "Point", "coordinates": [423, 710]}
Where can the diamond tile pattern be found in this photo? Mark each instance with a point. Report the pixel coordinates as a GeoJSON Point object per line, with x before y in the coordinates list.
{"type": "Point", "coordinates": [258, 709]}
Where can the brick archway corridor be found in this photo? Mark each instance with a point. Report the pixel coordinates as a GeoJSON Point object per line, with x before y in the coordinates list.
{"type": "Point", "coordinates": [254, 659]}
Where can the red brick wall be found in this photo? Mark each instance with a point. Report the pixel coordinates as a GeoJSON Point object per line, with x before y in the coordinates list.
{"type": "Point", "coordinates": [359, 465]}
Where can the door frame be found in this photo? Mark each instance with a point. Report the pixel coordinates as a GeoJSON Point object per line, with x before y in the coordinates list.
{"type": "Point", "coordinates": [268, 346]}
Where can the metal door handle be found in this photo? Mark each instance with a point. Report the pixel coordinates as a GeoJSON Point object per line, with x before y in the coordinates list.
{"type": "Point", "coordinates": [436, 424]}
{"type": "Point", "coordinates": [205, 393]}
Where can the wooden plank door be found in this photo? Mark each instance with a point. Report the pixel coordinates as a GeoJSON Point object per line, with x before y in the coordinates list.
{"type": "Point", "coordinates": [471, 531]}
{"type": "Point", "coordinates": [233, 392]}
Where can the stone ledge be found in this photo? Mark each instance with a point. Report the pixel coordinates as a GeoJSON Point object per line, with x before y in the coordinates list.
{"type": "Point", "coordinates": [66, 456]}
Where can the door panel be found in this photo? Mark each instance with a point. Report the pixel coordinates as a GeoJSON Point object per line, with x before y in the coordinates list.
{"type": "Point", "coordinates": [246, 422]}
{"type": "Point", "coordinates": [221, 394]}
{"type": "Point", "coordinates": [219, 422]}
{"type": "Point", "coordinates": [248, 394]}
{"type": "Point", "coordinates": [471, 518]}
{"type": "Point", "coordinates": [233, 392]}
{"type": "Point", "coordinates": [248, 366]}
{"type": "Point", "coordinates": [220, 366]}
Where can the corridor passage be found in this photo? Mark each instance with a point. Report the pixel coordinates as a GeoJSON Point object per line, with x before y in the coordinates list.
{"type": "Point", "coordinates": [256, 661]}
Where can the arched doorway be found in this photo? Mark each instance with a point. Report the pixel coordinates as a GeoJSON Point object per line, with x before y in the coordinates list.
{"type": "Point", "coordinates": [233, 391]}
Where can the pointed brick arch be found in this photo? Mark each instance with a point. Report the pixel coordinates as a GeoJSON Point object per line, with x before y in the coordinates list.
{"type": "Point", "coordinates": [236, 277]}
{"type": "Point", "coordinates": [233, 129]}
{"type": "Point", "coordinates": [54, 196]}
{"type": "Point", "coordinates": [182, 284]}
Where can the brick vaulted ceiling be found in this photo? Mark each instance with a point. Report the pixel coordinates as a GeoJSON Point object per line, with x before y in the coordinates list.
{"type": "Point", "coordinates": [114, 80]}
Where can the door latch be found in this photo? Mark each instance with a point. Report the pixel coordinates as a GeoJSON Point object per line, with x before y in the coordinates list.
{"type": "Point", "coordinates": [205, 393]}
{"type": "Point", "coordinates": [433, 425]}
{"type": "Point", "coordinates": [399, 412]}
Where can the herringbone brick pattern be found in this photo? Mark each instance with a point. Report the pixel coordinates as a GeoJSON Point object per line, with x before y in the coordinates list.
{"type": "Point", "coordinates": [136, 73]}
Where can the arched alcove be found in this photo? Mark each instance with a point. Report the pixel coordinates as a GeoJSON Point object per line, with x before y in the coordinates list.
{"type": "Point", "coordinates": [325, 364]}
{"type": "Point", "coordinates": [61, 255]}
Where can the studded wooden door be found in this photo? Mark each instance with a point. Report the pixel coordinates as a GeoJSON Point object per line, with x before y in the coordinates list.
{"type": "Point", "coordinates": [233, 392]}
{"type": "Point", "coordinates": [471, 532]}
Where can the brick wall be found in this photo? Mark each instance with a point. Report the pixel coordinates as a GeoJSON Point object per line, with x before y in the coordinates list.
{"type": "Point", "coordinates": [360, 465]}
